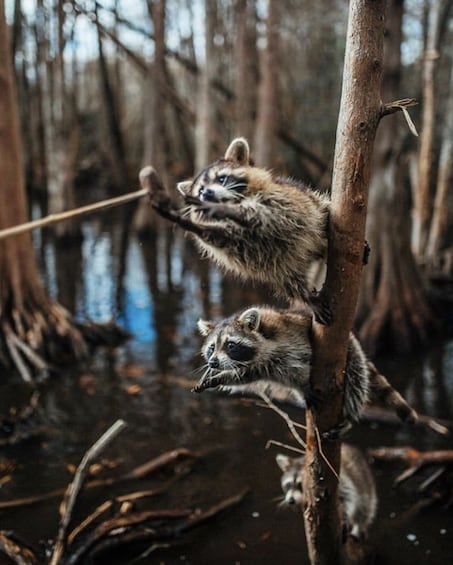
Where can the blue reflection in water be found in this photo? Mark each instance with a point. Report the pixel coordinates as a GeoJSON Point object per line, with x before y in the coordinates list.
{"type": "Point", "coordinates": [137, 316]}
{"type": "Point", "coordinates": [98, 301]}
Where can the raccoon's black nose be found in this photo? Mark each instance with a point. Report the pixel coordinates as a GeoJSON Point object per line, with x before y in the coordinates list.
{"type": "Point", "coordinates": [214, 363]}
{"type": "Point", "coordinates": [208, 194]}
{"type": "Point", "coordinates": [291, 500]}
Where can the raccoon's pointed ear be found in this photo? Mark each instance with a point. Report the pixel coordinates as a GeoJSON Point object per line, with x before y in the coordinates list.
{"type": "Point", "coordinates": [204, 327]}
{"type": "Point", "coordinates": [184, 187]}
{"type": "Point", "coordinates": [250, 318]}
{"type": "Point", "coordinates": [283, 461]}
{"type": "Point", "coordinates": [238, 151]}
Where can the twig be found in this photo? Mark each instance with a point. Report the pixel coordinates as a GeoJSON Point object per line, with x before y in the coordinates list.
{"type": "Point", "coordinates": [321, 452]}
{"type": "Point", "coordinates": [402, 105]}
{"type": "Point", "coordinates": [88, 209]}
{"type": "Point", "coordinates": [157, 534]}
{"type": "Point", "coordinates": [73, 489]}
{"type": "Point", "coordinates": [284, 445]}
{"type": "Point", "coordinates": [17, 552]}
{"type": "Point", "coordinates": [119, 499]}
{"type": "Point", "coordinates": [290, 423]}
{"type": "Point", "coordinates": [431, 479]}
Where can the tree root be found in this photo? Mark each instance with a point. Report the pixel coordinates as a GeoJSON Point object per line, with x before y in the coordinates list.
{"type": "Point", "coordinates": [38, 340]}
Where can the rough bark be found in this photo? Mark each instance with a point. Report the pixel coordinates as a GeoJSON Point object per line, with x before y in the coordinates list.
{"type": "Point", "coordinates": [360, 112]}
{"type": "Point", "coordinates": [267, 113]}
{"type": "Point", "coordinates": [393, 308]}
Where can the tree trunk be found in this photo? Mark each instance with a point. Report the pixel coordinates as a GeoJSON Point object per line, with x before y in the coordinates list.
{"type": "Point", "coordinates": [204, 105]}
{"type": "Point", "coordinates": [423, 193]}
{"type": "Point", "coordinates": [61, 130]}
{"type": "Point", "coordinates": [246, 70]}
{"type": "Point", "coordinates": [267, 116]}
{"type": "Point", "coordinates": [117, 147]}
{"type": "Point", "coordinates": [393, 308]}
{"type": "Point", "coordinates": [154, 133]}
{"type": "Point", "coordinates": [360, 112]}
{"type": "Point", "coordinates": [442, 204]}
{"type": "Point", "coordinates": [33, 328]}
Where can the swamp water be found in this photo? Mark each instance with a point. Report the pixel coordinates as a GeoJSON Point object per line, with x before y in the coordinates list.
{"type": "Point", "coordinates": [157, 288]}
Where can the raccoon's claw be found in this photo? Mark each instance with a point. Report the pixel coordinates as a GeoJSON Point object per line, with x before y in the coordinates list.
{"type": "Point", "coordinates": [311, 397]}
{"type": "Point", "coordinates": [337, 431]}
{"type": "Point", "coordinates": [208, 382]}
{"type": "Point", "coordinates": [150, 180]}
{"type": "Point", "coordinates": [321, 309]}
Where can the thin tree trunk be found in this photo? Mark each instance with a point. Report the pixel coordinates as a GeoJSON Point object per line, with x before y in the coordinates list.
{"type": "Point", "coordinates": [117, 146]}
{"type": "Point", "coordinates": [267, 118]}
{"type": "Point", "coordinates": [360, 112]}
{"type": "Point", "coordinates": [246, 70]}
{"type": "Point", "coordinates": [155, 134]}
{"type": "Point", "coordinates": [205, 108]}
{"type": "Point", "coordinates": [61, 135]}
{"type": "Point", "coordinates": [442, 203]}
{"type": "Point", "coordinates": [423, 193]}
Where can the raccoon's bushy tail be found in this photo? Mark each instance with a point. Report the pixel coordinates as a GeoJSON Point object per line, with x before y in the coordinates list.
{"type": "Point", "coordinates": [382, 390]}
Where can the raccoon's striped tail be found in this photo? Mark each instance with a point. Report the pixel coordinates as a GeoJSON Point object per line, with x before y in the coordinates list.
{"type": "Point", "coordinates": [382, 390]}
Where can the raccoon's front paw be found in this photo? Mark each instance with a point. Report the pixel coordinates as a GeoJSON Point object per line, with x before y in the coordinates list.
{"type": "Point", "coordinates": [211, 381]}
{"type": "Point", "coordinates": [150, 180]}
{"type": "Point", "coordinates": [321, 309]}
{"type": "Point", "coordinates": [312, 398]}
{"type": "Point", "coordinates": [337, 431]}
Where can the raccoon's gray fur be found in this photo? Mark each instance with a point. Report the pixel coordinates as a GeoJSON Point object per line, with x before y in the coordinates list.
{"type": "Point", "coordinates": [270, 345]}
{"type": "Point", "coordinates": [255, 224]}
{"type": "Point", "coordinates": [356, 488]}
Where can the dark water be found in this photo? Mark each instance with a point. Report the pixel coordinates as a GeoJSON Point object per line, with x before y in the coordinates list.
{"type": "Point", "coordinates": [157, 288]}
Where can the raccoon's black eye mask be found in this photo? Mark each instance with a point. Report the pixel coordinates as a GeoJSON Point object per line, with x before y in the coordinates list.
{"type": "Point", "coordinates": [232, 183]}
{"type": "Point", "coordinates": [239, 351]}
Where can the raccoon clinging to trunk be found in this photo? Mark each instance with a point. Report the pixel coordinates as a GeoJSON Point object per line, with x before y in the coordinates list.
{"type": "Point", "coordinates": [263, 345]}
{"type": "Point", "coordinates": [253, 223]}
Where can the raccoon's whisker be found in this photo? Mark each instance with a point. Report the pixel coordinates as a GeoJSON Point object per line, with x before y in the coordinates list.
{"type": "Point", "coordinates": [199, 369]}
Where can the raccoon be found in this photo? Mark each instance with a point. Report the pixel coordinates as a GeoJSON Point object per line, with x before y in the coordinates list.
{"type": "Point", "coordinates": [254, 224]}
{"type": "Point", "coordinates": [356, 488]}
{"type": "Point", "coordinates": [266, 344]}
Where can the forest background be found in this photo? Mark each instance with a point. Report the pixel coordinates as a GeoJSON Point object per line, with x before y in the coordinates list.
{"type": "Point", "coordinates": [105, 88]}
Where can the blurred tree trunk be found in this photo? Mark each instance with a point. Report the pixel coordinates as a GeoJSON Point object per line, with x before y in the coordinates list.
{"type": "Point", "coordinates": [154, 133]}
{"type": "Point", "coordinates": [34, 330]}
{"type": "Point", "coordinates": [393, 306]}
{"type": "Point", "coordinates": [204, 100]}
{"type": "Point", "coordinates": [442, 214]}
{"type": "Point", "coordinates": [19, 58]}
{"type": "Point", "coordinates": [61, 127]}
{"type": "Point", "coordinates": [268, 92]}
{"type": "Point", "coordinates": [423, 205]}
{"type": "Point", "coordinates": [40, 157]}
{"type": "Point", "coordinates": [116, 153]}
{"type": "Point", "coordinates": [360, 112]}
{"type": "Point", "coordinates": [246, 69]}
